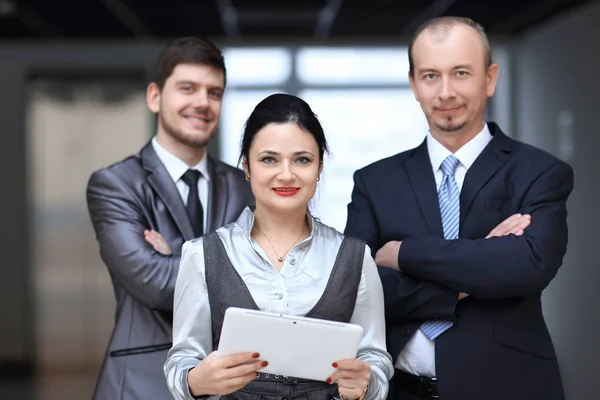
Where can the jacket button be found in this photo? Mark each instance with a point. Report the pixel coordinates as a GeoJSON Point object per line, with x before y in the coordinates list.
{"type": "Point", "coordinates": [405, 332]}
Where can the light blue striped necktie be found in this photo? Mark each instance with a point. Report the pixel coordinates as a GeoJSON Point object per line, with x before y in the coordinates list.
{"type": "Point", "coordinates": [449, 199]}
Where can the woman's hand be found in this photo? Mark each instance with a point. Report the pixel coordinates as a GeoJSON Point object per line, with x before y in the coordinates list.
{"type": "Point", "coordinates": [217, 375]}
{"type": "Point", "coordinates": [158, 242]}
{"type": "Point", "coordinates": [352, 378]}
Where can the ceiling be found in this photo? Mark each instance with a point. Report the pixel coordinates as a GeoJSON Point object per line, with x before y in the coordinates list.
{"type": "Point", "coordinates": [307, 20]}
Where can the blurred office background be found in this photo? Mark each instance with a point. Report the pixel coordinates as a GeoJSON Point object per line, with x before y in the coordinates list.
{"type": "Point", "coordinates": [72, 99]}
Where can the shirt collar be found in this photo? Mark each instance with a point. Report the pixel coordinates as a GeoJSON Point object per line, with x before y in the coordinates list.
{"type": "Point", "coordinates": [466, 155]}
{"type": "Point", "coordinates": [246, 221]}
{"type": "Point", "coordinates": [175, 166]}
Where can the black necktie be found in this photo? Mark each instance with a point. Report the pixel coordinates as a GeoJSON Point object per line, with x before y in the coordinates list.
{"type": "Point", "coordinates": [194, 207]}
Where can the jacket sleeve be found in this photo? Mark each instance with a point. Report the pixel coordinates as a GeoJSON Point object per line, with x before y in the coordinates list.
{"type": "Point", "coordinates": [406, 297]}
{"type": "Point", "coordinates": [119, 222]}
{"type": "Point", "coordinates": [501, 267]}
{"type": "Point", "coordinates": [192, 324]}
{"type": "Point", "coordinates": [369, 313]}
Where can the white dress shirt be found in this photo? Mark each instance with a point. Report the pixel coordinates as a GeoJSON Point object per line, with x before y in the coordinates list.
{"type": "Point", "coordinates": [294, 290]}
{"type": "Point", "coordinates": [176, 167]}
{"type": "Point", "coordinates": [418, 356]}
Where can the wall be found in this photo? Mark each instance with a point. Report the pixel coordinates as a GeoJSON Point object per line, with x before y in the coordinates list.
{"type": "Point", "coordinates": [555, 92]}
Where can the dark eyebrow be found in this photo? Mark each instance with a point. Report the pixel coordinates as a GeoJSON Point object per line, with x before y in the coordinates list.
{"type": "Point", "coordinates": [189, 82]}
{"type": "Point", "coordinates": [268, 152]}
{"type": "Point", "coordinates": [426, 70]}
{"type": "Point", "coordinates": [274, 153]}
{"type": "Point", "coordinates": [299, 153]}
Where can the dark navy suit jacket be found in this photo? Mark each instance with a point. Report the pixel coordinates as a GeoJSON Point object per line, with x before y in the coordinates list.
{"type": "Point", "coordinates": [499, 347]}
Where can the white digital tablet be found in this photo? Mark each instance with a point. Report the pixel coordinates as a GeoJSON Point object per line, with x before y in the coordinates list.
{"type": "Point", "coordinates": [293, 346]}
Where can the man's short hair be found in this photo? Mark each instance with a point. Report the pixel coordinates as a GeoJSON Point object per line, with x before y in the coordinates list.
{"type": "Point", "coordinates": [443, 26]}
{"type": "Point", "coordinates": [187, 50]}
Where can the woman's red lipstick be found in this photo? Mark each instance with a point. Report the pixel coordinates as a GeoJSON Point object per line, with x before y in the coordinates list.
{"type": "Point", "coordinates": [286, 190]}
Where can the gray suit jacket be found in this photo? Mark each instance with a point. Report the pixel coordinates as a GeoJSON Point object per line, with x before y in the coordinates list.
{"type": "Point", "coordinates": [124, 199]}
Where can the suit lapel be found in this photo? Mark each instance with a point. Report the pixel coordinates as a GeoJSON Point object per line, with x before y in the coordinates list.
{"type": "Point", "coordinates": [495, 154]}
{"type": "Point", "coordinates": [163, 185]}
{"type": "Point", "coordinates": [420, 173]}
{"type": "Point", "coordinates": [217, 195]}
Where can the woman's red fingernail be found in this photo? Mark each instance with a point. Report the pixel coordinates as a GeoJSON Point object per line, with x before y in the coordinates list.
{"type": "Point", "coordinates": [255, 355]}
{"type": "Point", "coordinates": [334, 365]}
{"type": "Point", "coordinates": [328, 380]}
{"type": "Point", "coordinates": [264, 363]}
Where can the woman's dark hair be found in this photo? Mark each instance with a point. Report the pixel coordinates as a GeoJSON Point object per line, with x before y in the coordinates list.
{"type": "Point", "coordinates": [280, 109]}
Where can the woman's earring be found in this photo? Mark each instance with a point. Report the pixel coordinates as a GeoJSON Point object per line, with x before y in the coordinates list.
{"type": "Point", "coordinates": [248, 177]}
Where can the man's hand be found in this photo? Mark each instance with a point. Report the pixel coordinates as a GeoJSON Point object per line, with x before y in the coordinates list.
{"type": "Point", "coordinates": [158, 242]}
{"type": "Point", "coordinates": [515, 225]}
{"type": "Point", "coordinates": [387, 256]}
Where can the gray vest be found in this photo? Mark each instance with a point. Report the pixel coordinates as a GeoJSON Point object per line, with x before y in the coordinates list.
{"type": "Point", "coordinates": [227, 289]}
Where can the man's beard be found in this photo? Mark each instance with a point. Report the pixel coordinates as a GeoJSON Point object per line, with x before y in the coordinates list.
{"type": "Point", "coordinates": [188, 140]}
{"type": "Point", "coordinates": [451, 127]}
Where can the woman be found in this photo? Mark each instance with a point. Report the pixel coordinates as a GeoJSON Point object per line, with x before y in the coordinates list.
{"type": "Point", "coordinates": [286, 259]}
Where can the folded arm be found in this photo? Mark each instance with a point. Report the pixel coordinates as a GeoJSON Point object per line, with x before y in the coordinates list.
{"type": "Point", "coordinates": [506, 266]}
{"type": "Point", "coordinates": [120, 221]}
{"type": "Point", "coordinates": [406, 297]}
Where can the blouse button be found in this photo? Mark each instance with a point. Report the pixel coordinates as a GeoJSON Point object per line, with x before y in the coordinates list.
{"type": "Point", "coordinates": [293, 261]}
